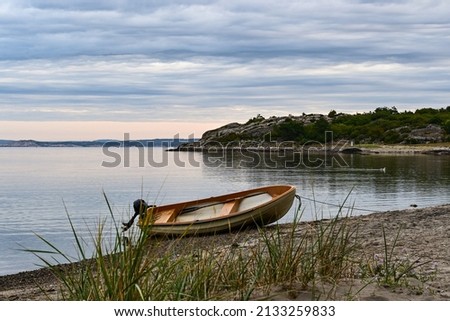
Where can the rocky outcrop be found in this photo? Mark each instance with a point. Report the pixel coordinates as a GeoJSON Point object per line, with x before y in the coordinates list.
{"type": "Point", "coordinates": [430, 134]}
{"type": "Point", "coordinates": [254, 133]}
{"type": "Point", "coordinates": [254, 129]}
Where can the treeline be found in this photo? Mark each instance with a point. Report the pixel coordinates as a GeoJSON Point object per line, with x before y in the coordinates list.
{"type": "Point", "coordinates": [384, 125]}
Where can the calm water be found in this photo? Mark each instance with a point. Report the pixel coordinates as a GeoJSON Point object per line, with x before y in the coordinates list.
{"type": "Point", "coordinates": [37, 185]}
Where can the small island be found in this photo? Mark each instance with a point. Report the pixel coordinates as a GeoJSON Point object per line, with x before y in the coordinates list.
{"type": "Point", "coordinates": [385, 130]}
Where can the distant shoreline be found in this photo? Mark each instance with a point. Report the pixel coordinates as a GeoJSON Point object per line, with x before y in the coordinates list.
{"type": "Point", "coordinates": [157, 142]}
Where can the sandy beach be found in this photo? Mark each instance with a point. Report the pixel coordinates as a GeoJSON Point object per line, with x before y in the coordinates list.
{"type": "Point", "coordinates": [421, 236]}
{"type": "Point", "coordinates": [430, 149]}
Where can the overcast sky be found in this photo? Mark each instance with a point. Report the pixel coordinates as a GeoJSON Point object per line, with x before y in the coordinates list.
{"type": "Point", "coordinates": [93, 69]}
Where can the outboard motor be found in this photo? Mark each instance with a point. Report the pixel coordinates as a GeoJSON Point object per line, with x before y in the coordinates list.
{"type": "Point", "coordinates": [140, 207]}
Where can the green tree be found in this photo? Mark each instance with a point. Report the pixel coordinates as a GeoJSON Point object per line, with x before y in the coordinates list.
{"type": "Point", "coordinates": [289, 130]}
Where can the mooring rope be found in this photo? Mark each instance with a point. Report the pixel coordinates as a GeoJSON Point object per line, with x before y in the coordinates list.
{"type": "Point", "coordinates": [331, 204]}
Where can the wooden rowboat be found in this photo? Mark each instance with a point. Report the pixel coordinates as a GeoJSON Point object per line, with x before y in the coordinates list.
{"type": "Point", "coordinates": [257, 207]}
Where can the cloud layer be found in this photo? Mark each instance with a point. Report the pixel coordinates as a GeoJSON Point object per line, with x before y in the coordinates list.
{"type": "Point", "coordinates": [219, 60]}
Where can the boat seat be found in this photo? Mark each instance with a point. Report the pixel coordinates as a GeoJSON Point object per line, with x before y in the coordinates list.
{"type": "Point", "coordinates": [229, 207]}
{"type": "Point", "coordinates": [166, 216]}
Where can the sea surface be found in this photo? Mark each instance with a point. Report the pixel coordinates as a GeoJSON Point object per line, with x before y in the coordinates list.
{"type": "Point", "coordinates": [41, 188]}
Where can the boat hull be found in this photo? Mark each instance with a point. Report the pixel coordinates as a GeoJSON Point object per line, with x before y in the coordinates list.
{"type": "Point", "coordinates": [255, 207]}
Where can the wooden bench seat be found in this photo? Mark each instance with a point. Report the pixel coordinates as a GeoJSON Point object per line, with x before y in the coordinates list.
{"type": "Point", "coordinates": [229, 208]}
{"type": "Point", "coordinates": [166, 216]}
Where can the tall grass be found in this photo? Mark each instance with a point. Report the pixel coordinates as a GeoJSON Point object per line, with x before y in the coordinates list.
{"type": "Point", "coordinates": [136, 267]}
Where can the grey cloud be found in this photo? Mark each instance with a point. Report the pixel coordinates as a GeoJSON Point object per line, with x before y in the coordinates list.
{"type": "Point", "coordinates": [223, 29]}
{"type": "Point", "coordinates": [161, 59]}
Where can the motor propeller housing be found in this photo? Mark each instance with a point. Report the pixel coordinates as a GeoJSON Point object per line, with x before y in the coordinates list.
{"type": "Point", "coordinates": [140, 206]}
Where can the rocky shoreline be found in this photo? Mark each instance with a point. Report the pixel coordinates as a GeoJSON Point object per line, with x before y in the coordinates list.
{"type": "Point", "coordinates": [423, 237]}
{"type": "Point", "coordinates": [431, 149]}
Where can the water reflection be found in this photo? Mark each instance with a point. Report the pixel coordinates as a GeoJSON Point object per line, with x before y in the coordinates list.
{"type": "Point", "coordinates": [273, 159]}
{"type": "Point", "coordinates": [374, 182]}
{"type": "Point", "coordinates": [290, 161]}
